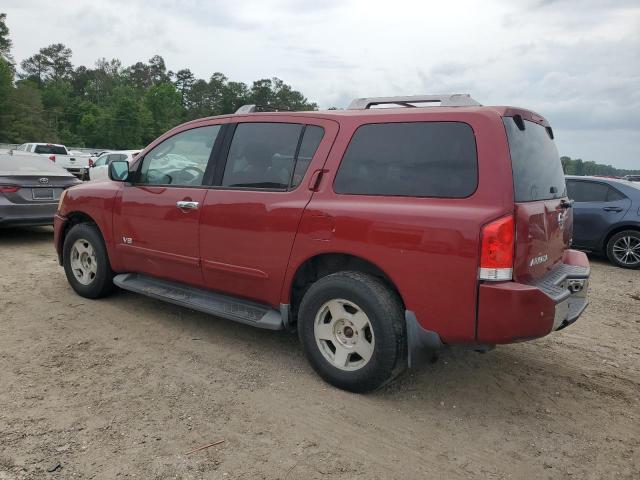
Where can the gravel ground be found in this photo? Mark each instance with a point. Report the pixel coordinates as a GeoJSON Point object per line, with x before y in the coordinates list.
{"type": "Point", "coordinates": [127, 386]}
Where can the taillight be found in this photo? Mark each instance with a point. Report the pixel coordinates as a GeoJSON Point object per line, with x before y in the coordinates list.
{"type": "Point", "coordinates": [52, 158]}
{"type": "Point", "coordinates": [9, 188]}
{"type": "Point", "coordinates": [90, 163]}
{"type": "Point", "coordinates": [496, 255]}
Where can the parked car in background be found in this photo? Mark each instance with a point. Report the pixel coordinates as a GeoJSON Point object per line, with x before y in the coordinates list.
{"type": "Point", "coordinates": [606, 218]}
{"type": "Point", "coordinates": [76, 164]}
{"type": "Point", "coordinates": [380, 234]}
{"type": "Point", "coordinates": [632, 178]}
{"type": "Point", "coordinates": [99, 170]}
{"type": "Point", "coordinates": [30, 187]}
{"type": "Point", "coordinates": [95, 155]}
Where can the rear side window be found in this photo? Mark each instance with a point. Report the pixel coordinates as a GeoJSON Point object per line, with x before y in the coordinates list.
{"type": "Point", "coordinates": [417, 159]}
{"type": "Point", "coordinates": [50, 150]}
{"type": "Point", "coordinates": [585, 191]}
{"type": "Point", "coordinates": [270, 155]}
{"type": "Point", "coordinates": [537, 170]}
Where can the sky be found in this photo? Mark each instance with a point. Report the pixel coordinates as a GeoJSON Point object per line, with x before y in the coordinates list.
{"type": "Point", "coordinates": [575, 62]}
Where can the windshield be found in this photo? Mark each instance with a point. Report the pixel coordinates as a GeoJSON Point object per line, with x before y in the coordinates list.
{"type": "Point", "coordinates": [537, 170]}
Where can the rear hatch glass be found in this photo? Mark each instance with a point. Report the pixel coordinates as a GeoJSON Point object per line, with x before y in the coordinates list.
{"type": "Point", "coordinates": [50, 149]}
{"type": "Point", "coordinates": [543, 226]}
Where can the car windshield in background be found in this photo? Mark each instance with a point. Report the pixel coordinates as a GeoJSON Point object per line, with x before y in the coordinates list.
{"type": "Point", "coordinates": [50, 149]}
{"type": "Point", "coordinates": [537, 170]}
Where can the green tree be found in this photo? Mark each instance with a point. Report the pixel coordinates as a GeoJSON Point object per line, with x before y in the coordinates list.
{"type": "Point", "coordinates": [163, 102]}
{"type": "Point", "coordinates": [6, 90]}
{"type": "Point", "coordinates": [5, 41]}
{"type": "Point", "coordinates": [184, 81]}
{"type": "Point", "coordinates": [25, 119]}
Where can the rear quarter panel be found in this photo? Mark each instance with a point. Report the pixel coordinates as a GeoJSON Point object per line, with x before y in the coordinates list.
{"type": "Point", "coordinates": [428, 247]}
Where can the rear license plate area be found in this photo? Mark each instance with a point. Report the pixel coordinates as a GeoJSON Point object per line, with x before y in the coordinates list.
{"type": "Point", "coordinates": [42, 193]}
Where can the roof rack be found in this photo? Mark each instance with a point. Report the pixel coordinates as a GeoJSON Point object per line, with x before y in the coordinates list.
{"type": "Point", "coordinates": [446, 100]}
{"type": "Point", "coordinates": [251, 108]}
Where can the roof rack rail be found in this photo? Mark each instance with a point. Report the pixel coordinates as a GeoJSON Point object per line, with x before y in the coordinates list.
{"type": "Point", "coordinates": [446, 100]}
{"type": "Point", "coordinates": [251, 108]}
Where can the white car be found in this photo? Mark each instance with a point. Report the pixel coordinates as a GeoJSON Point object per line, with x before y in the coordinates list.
{"type": "Point", "coordinates": [76, 164]}
{"type": "Point", "coordinates": [100, 168]}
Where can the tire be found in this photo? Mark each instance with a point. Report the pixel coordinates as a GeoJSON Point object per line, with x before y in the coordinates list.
{"type": "Point", "coordinates": [623, 249]}
{"type": "Point", "coordinates": [86, 263]}
{"type": "Point", "coordinates": [325, 337]}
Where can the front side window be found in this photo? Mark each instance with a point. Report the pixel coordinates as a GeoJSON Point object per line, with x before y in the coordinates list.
{"type": "Point", "coordinates": [181, 159]}
{"type": "Point", "coordinates": [270, 155]}
{"type": "Point", "coordinates": [102, 160]}
{"type": "Point", "coordinates": [416, 159]}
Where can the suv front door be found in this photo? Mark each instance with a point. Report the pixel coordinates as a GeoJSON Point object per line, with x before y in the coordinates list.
{"type": "Point", "coordinates": [251, 213]}
{"type": "Point", "coordinates": [157, 223]}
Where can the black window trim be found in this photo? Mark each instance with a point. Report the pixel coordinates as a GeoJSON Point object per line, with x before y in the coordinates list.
{"type": "Point", "coordinates": [475, 141]}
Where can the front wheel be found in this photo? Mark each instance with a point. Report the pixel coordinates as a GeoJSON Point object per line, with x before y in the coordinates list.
{"type": "Point", "coordinates": [352, 330]}
{"type": "Point", "coordinates": [623, 249]}
{"type": "Point", "coordinates": [86, 263]}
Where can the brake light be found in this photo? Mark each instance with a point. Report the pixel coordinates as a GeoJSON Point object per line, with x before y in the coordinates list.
{"type": "Point", "coordinates": [9, 188]}
{"type": "Point", "coordinates": [52, 158]}
{"type": "Point", "coordinates": [90, 163]}
{"type": "Point", "coordinates": [496, 255]}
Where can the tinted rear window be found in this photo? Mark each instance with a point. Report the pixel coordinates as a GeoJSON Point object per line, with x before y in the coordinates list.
{"type": "Point", "coordinates": [417, 159]}
{"type": "Point", "coordinates": [585, 191]}
{"type": "Point", "coordinates": [50, 149]}
{"type": "Point", "coordinates": [537, 170]}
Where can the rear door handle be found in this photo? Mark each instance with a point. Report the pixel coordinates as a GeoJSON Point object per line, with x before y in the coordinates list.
{"type": "Point", "coordinates": [187, 205]}
{"type": "Point", "coordinates": [612, 209]}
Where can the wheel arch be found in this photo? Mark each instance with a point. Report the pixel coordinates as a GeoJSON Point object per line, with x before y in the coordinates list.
{"type": "Point", "coordinates": [318, 266]}
{"type": "Point", "coordinates": [617, 229]}
{"type": "Point", "coordinates": [75, 218]}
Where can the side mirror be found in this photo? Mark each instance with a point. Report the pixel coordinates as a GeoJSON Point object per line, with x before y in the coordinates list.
{"type": "Point", "coordinates": [119, 170]}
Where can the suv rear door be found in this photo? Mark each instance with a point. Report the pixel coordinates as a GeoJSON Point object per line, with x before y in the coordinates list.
{"type": "Point", "coordinates": [251, 213]}
{"type": "Point", "coordinates": [543, 223]}
{"type": "Point", "coordinates": [157, 223]}
{"type": "Point", "coordinates": [597, 207]}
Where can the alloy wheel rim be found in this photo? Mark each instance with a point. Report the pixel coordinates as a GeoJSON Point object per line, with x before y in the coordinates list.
{"type": "Point", "coordinates": [627, 250]}
{"type": "Point", "coordinates": [344, 334]}
{"type": "Point", "coordinates": [83, 261]}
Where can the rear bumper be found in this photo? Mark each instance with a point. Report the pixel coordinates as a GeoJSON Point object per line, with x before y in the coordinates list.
{"type": "Point", "coordinates": [12, 214]}
{"type": "Point", "coordinates": [510, 312]}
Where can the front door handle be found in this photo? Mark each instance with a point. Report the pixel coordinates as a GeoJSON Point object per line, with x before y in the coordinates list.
{"type": "Point", "coordinates": [187, 205]}
{"type": "Point", "coordinates": [612, 209]}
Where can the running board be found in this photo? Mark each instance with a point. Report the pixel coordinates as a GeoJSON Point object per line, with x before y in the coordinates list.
{"type": "Point", "coordinates": [236, 309]}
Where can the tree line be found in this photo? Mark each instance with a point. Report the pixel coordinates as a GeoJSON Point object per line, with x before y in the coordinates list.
{"type": "Point", "coordinates": [47, 98]}
{"type": "Point", "coordinates": [576, 166]}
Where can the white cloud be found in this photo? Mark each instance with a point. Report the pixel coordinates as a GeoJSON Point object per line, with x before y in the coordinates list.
{"type": "Point", "coordinates": [575, 62]}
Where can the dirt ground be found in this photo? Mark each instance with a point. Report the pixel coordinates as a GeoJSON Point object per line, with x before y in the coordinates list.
{"type": "Point", "coordinates": [127, 386]}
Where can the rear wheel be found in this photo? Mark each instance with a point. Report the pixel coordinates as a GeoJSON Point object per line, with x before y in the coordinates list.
{"type": "Point", "coordinates": [352, 330]}
{"type": "Point", "coordinates": [85, 261]}
{"type": "Point", "coordinates": [623, 249]}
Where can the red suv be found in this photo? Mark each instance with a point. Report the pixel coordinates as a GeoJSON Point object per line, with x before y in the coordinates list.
{"type": "Point", "coordinates": [379, 233]}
